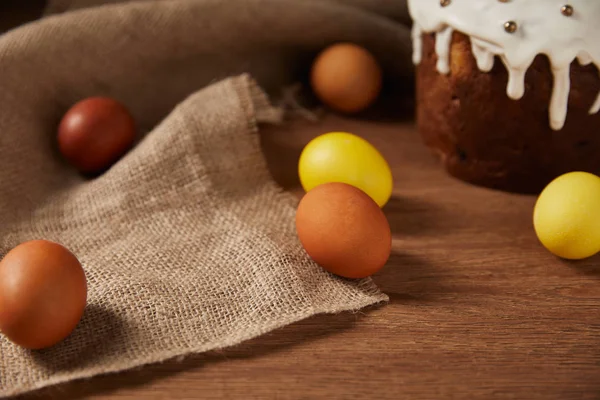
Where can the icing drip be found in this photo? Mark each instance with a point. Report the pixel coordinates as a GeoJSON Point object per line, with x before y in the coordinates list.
{"type": "Point", "coordinates": [417, 43]}
{"type": "Point", "coordinates": [560, 97]}
{"type": "Point", "coordinates": [584, 58]}
{"type": "Point", "coordinates": [484, 58]}
{"type": "Point", "coordinates": [442, 49]}
{"type": "Point", "coordinates": [516, 31]}
{"type": "Point", "coordinates": [596, 107]}
{"type": "Point", "coordinates": [516, 81]}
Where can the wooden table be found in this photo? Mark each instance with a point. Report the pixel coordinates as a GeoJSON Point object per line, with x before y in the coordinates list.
{"type": "Point", "coordinates": [478, 310]}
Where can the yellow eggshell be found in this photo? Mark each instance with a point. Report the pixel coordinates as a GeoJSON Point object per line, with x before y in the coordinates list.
{"type": "Point", "coordinates": [567, 216]}
{"type": "Point", "coordinates": [346, 158]}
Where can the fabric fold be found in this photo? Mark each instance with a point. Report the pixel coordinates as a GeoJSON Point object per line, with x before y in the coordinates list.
{"type": "Point", "coordinates": [188, 246]}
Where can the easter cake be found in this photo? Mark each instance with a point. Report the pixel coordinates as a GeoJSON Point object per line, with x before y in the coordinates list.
{"type": "Point", "coordinates": [508, 90]}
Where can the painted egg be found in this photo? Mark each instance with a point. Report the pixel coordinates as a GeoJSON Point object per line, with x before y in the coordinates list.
{"type": "Point", "coordinates": [567, 216]}
{"type": "Point", "coordinates": [343, 230]}
{"type": "Point", "coordinates": [346, 158]}
{"type": "Point", "coordinates": [43, 294]}
{"type": "Point", "coordinates": [95, 133]}
{"type": "Point", "coordinates": [346, 77]}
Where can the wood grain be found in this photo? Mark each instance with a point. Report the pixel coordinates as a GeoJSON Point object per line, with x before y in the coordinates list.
{"type": "Point", "coordinates": [478, 310]}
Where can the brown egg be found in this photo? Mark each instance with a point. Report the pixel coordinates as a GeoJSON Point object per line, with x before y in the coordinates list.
{"type": "Point", "coordinates": [43, 293]}
{"type": "Point", "coordinates": [343, 230]}
{"type": "Point", "coordinates": [95, 133]}
{"type": "Point", "coordinates": [346, 77]}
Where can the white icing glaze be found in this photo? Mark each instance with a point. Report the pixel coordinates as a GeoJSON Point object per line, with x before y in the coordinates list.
{"type": "Point", "coordinates": [541, 29]}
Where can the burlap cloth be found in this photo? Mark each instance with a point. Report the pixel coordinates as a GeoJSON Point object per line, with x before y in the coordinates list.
{"type": "Point", "coordinates": [187, 243]}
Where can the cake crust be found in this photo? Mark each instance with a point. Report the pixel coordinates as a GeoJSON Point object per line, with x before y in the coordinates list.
{"type": "Point", "coordinates": [486, 138]}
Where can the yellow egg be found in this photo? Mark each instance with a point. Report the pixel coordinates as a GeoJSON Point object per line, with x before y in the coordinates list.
{"type": "Point", "coordinates": [567, 216]}
{"type": "Point", "coordinates": [346, 158]}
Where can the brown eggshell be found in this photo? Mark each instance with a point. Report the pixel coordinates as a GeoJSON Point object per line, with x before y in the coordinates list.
{"type": "Point", "coordinates": [344, 230]}
{"type": "Point", "coordinates": [43, 293]}
{"type": "Point", "coordinates": [346, 77]}
{"type": "Point", "coordinates": [95, 133]}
